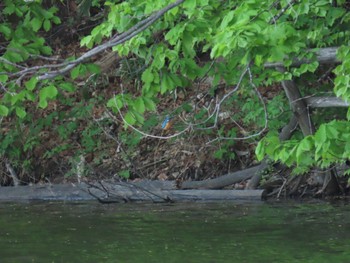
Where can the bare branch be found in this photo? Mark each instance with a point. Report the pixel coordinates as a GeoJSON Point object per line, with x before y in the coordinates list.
{"type": "Point", "coordinates": [262, 102]}
{"type": "Point", "coordinates": [9, 63]}
{"type": "Point", "coordinates": [147, 134]}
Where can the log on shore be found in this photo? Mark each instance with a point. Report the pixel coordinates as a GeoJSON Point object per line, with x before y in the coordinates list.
{"type": "Point", "coordinates": [122, 192]}
{"type": "Point", "coordinates": [57, 192]}
{"type": "Point", "coordinates": [214, 195]}
{"type": "Point", "coordinates": [225, 180]}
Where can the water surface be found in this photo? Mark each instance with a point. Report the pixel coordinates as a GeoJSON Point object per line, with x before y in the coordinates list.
{"type": "Point", "coordinates": [196, 232]}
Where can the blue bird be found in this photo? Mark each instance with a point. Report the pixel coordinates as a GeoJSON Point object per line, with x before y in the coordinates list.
{"type": "Point", "coordinates": [167, 123]}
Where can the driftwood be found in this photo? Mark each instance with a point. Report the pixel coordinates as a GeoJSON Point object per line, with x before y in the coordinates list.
{"type": "Point", "coordinates": [118, 192]}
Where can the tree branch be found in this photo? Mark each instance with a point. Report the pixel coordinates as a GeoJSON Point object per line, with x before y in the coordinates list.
{"type": "Point", "coordinates": [323, 56]}
{"type": "Point", "coordinates": [325, 102]}
{"type": "Point", "coordinates": [116, 40]}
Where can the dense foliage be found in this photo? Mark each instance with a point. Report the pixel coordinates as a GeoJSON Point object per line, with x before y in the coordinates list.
{"type": "Point", "coordinates": [227, 42]}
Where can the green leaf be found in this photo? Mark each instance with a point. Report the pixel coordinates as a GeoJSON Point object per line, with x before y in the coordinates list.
{"type": "Point", "coordinates": [21, 113]}
{"type": "Point", "coordinates": [129, 118]}
{"type": "Point", "coordinates": [18, 97]}
{"type": "Point", "coordinates": [115, 102]}
{"type": "Point", "coordinates": [258, 60]}
{"type": "Point", "coordinates": [227, 19]}
{"type": "Point", "coordinates": [187, 44]}
{"type": "Point", "coordinates": [93, 68]}
{"type": "Point", "coordinates": [36, 24]}
{"type": "Point", "coordinates": [49, 92]}
{"type": "Point", "coordinates": [147, 76]}
{"type": "Point", "coordinates": [5, 30]}
{"type": "Point", "coordinates": [47, 25]}
{"type": "Point", "coordinates": [304, 150]}
{"type": "Point", "coordinates": [87, 41]}
{"type": "Point", "coordinates": [219, 154]}
{"type": "Point", "coordinates": [30, 84]}
{"type": "Point", "coordinates": [190, 7]}
{"type": "Point", "coordinates": [124, 173]}
{"type": "Point", "coordinates": [139, 105]}
{"type": "Point", "coordinates": [332, 132]}
{"type": "Point", "coordinates": [3, 78]}
{"type": "Point", "coordinates": [175, 34]}
{"type": "Point", "coordinates": [13, 56]}
{"type": "Point", "coordinates": [67, 86]}
{"type": "Point", "coordinates": [56, 20]}
{"type": "Point", "coordinates": [149, 104]}
{"type": "Point", "coordinates": [30, 96]}
{"type": "Point", "coordinates": [321, 134]}
{"type": "Point", "coordinates": [9, 9]}
{"type": "Point", "coordinates": [168, 83]}
{"type": "Point", "coordinates": [260, 150]}
{"type": "Point", "coordinates": [75, 72]}
{"type": "Point", "coordinates": [4, 110]}
{"type": "Point", "coordinates": [189, 4]}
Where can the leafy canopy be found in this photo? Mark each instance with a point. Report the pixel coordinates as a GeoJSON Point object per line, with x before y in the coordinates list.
{"type": "Point", "coordinates": [232, 34]}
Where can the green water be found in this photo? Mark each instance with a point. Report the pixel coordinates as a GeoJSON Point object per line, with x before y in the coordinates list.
{"type": "Point", "coordinates": [215, 232]}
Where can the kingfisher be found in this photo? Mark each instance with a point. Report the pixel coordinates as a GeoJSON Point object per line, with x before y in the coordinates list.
{"type": "Point", "coordinates": [167, 123]}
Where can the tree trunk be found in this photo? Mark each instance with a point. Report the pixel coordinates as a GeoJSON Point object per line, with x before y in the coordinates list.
{"type": "Point", "coordinates": [298, 105]}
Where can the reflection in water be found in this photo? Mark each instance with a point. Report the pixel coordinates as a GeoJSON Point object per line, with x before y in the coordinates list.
{"type": "Point", "coordinates": [214, 232]}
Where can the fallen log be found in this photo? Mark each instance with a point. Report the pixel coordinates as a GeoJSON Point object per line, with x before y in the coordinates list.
{"type": "Point", "coordinates": [129, 192]}
{"type": "Point", "coordinates": [57, 192]}
{"type": "Point", "coordinates": [119, 192]}
{"type": "Point", "coordinates": [215, 195]}
{"type": "Point", "coordinates": [224, 180]}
